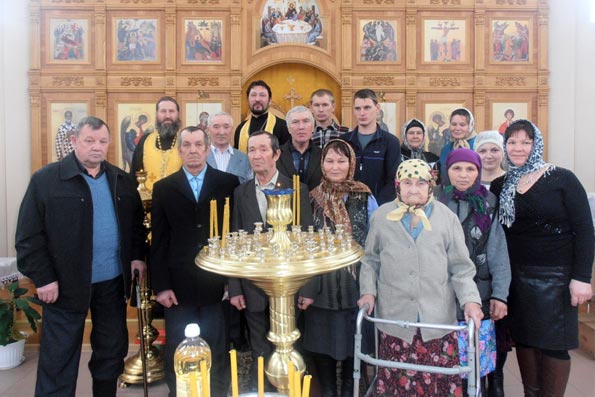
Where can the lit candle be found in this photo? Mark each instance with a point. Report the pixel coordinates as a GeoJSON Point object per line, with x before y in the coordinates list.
{"type": "Point", "coordinates": [291, 378]}
{"type": "Point", "coordinates": [297, 383]}
{"type": "Point", "coordinates": [234, 372]}
{"type": "Point", "coordinates": [306, 388]}
{"type": "Point", "coordinates": [206, 389]}
{"type": "Point", "coordinates": [260, 376]}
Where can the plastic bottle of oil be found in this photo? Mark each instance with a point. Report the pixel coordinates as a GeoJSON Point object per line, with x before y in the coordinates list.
{"type": "Point", "coordinates": [187, 364]}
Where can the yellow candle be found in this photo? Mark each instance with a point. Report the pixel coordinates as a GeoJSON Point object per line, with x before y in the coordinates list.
{"type": "Point", "coordinates": [206, 388]}
{"type": "Point", "coordinates": [294, 202]}
{"type": "Point", "coordinates": [215, 219]}
{"type": "Point", "coordinates": [291, 378]}
{"type": "Point", "coordinates": [260, 376]}
{"type": "Point", "coordinates": [225, 229]}
{"type": "Point", "coordinates": [193, 384]}
{"type": "Point", "coordinates": [297, 384]}
{"type": "Point", "coordinates": [306, 388]}
{"type": "Point", "coordinates": [234, 372]}
{"type": "Point", "coordinates": [212, 219]}
{"type": "Point", "coordinates": [298, 205]}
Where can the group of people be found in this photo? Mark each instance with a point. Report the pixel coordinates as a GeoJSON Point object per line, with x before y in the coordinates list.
{"type": "Point", "coordinates": [486, 231]}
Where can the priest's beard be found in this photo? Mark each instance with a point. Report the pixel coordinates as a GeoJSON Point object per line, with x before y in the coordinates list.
{"type": "Point", "coordinates": [168, 130]}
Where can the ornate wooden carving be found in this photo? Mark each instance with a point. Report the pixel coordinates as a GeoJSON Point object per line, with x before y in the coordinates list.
{"type": "Point", "coordinates": [445, 81]}
{"type": "Point", "coordinates": [511, 81]}
{"type": "Point", "coordinates": [68, 81]}
{"type": "Point", "coordinates": [378, 80]}
{"type": "Point", "coordinates": [203, 81]}
{"type": "Point", "coordinates": [136, 81]}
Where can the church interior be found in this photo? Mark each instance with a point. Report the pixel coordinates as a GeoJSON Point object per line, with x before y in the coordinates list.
{"type": "Point", "coordinates": [115, 58]}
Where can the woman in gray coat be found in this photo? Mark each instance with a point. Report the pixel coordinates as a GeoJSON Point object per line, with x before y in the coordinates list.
{"type": "Point", "coordinates": [415, 267]}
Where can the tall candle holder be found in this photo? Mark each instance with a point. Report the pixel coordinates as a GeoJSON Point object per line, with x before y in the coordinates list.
{"type": "Point", "coordinates": [133, 367]}
{"type": "Point", "coordinates": [280, 263]}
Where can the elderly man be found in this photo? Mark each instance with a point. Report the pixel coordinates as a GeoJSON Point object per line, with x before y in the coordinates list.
{"type": "Point", "coordinates": [300, 156]}
{"type": "Point", "coordinates": [322, 104]}
{"type": "Point", "coordinates": [378, 152]}
{"type": "Point", "coordinates": [250, 205]}
{"type": "Point", "coordinates": [259, 99]}
{"type": "Point", "coordinates": [80, 237]}
{"type": "Point", "coordinates": [222, 156]}
{"type": "Point", "coordinates": [155, 152]}
{"type": "Point", "coordinates": [180, 225]}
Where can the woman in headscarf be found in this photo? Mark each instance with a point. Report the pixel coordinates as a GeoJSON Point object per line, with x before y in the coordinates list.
{"type": "Point", "coordinates": [549, 230]}
{"type": "Point", "coordinates": [475, 208]}
{"type": "Point", "coordinates": [415, 265]}
{"type": "Point", "coordinates": [490, 147]}
{"type": "Point", "coordinates": [330, 316]}
{"type": "Point", "coordinates": [461, 133]}
{"type": "Point", "coordinates": [413, 136]}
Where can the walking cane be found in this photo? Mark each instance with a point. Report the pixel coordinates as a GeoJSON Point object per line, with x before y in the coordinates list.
{"type": "Point", "coordinates": [141, 327]}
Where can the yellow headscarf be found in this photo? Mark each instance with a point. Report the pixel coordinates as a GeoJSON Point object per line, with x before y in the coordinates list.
{"type": "Point", "coordinates": [413, 169]}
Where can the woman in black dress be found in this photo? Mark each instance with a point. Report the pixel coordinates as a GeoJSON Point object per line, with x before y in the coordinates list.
{"type": "Point", "coordinates": [549, 230]}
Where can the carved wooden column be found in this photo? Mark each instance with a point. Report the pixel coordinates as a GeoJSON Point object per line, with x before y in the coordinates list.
{"type": "Point", "coordinates": [542, 70]}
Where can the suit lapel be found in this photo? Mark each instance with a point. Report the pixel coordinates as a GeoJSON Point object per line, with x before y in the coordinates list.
{"type": "Point", "coordinates": [287, 161]}
{"type": "Point", "coordinates": [209, 184]}
{"type": "Point", "coordinates": [181, 182]}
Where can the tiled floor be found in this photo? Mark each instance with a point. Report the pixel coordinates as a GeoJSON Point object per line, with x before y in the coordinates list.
{"type": "Point", "coordinates": [20, 381]}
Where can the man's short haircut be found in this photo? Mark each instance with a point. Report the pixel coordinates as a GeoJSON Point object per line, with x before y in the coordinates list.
{"type": "Point", "coordinates": [365, 94]}
{"type": "Point", "coordinates": [274, 140]}
{"type": "Point", "coordinates": [166, 99]}
{"type": "Point", "coordinates": [191, 129]}
{"type": "Point", "coordinates": [322, 92]}
{"type": "Point", "coordinates": [259, 83]}
{"type": "Point", "coordinates": [298, 109]}
{"type": "Point", "coordinates": [211, 117]}
{"type": "Point", "coordinates": [94, 122]}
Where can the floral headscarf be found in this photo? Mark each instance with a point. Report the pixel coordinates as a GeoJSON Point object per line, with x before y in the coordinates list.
{"type": "Point", "coordinates": [330, 195]}
{"type": "Point", "coordinates": [463, 142]}
{"type": "Point", "coordinates": [534, 163]}
{"type": "Point", "coordinates": [413, 169]}
{"type": "Point", "coordinates": [476, 195]}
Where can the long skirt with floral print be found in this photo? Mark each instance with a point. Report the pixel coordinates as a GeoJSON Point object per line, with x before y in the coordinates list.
{"type": "Point", "coordinates": [441, 352]}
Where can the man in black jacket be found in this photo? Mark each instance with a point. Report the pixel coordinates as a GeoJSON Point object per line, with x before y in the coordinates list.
{"type": "Point", "coordinates": [79, 237]}
{"type": "Point", "coordinates": [180, 217]}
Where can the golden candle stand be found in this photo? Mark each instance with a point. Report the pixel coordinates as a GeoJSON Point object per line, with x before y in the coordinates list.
{"type": "Point", "coordinates": [280, 262]}
{"type": "Point", "coordinates": [133, 367]}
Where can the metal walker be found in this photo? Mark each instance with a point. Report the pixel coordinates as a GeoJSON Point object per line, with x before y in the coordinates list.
{"type": "Point", "coordinates": [472, 367]}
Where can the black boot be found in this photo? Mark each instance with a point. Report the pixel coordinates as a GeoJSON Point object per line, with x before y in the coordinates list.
{"type": "Point", "coordinates": [496, 378]}
{"type": "Point", "coordinates": [347, 377]}
{"type": "Point", "coordinates": [105, 388]}
{"type": "Point", "coordinates": [529, 360]}
{"type": "Point", "coordinates": [326, 368]}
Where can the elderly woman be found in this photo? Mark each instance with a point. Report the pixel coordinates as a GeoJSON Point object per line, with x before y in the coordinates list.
{"type": "Point", "coordinates": [549, 229]}
{"type": "Point", "coordinates": [475, 207]}
{"type": "Point", "coordinates": [462, 135]}
{"type": "Point", "coordinates": [413, 135]}
{"type": "Point", "coordinates": [330, 315]}
{"type": "Point", "coordinates": [490, 147]}
{"type": "Point", "coordinates": [415, 267]}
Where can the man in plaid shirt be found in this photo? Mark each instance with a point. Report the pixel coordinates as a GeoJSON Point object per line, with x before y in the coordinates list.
{"type": "Point", "coordinates": [322, 103]}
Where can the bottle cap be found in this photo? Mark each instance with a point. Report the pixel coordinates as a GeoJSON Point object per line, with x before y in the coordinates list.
{"type": "Point", "coordinates": [192, 330]}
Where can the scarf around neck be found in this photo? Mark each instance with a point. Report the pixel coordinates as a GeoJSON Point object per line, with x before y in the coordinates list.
{"type": "Point", "coordinates": [506, 213]}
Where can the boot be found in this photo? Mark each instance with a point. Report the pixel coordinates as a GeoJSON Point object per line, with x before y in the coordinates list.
{"type": "Point", "coordinates": [530, 365]}
{"type": "Point", "coordinates": [347, 377]}
{"type": "Point", "coordinates": [496, 378]}
{"type": "Point", "coordinates": [555, 376]}
{"type": "Point", "coordinates": [105, 388]}
{"type": "Point", "coordinates": [483, 390]}
{"type": "Point", "coordinates": [326, 368]}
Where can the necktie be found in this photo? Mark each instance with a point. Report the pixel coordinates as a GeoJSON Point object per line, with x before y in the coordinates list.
{"type": "Point", "coordinates": [194, 186]}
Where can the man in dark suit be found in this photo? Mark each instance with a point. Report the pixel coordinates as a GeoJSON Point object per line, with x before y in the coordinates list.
{"type": "Point", "coordinates": [250, 206]}
{"type": "Point", "coordinates": [180, 226]}
{"type": "Point", "coordinates": [300, 156]}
